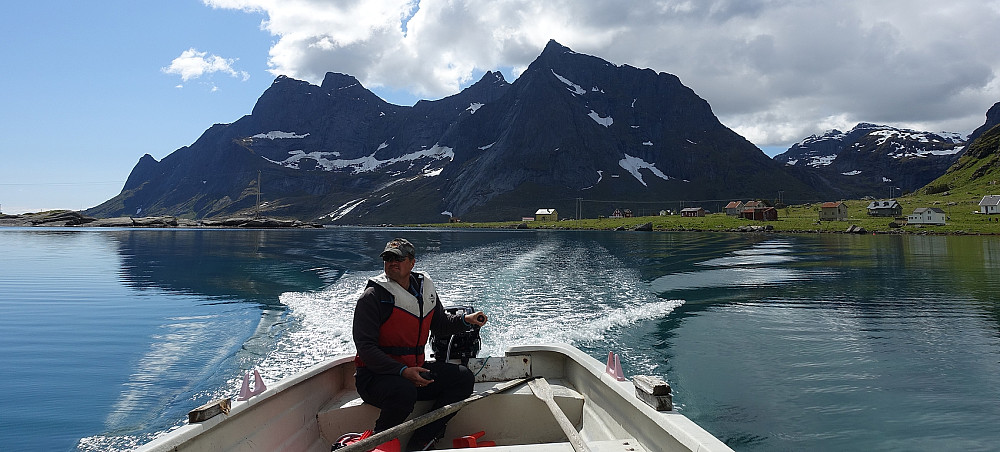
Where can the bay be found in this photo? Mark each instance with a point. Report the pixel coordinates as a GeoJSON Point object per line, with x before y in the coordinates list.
{"type": "Point", "coordinates": [770, 342]}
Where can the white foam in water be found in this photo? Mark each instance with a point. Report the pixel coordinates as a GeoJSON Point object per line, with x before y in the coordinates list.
{"type": "Point", "coordinates": [591, 295]}
{"type": "Point", "coordinates": [157, 380]}
{"type": "Point", "coordinates": [533, 291]}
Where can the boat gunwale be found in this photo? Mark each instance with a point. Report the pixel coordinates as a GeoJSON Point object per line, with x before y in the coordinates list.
{"type": "Point", "coordinates": [172, 439]}
{"type": "Point", "coordinates": [684, 431]}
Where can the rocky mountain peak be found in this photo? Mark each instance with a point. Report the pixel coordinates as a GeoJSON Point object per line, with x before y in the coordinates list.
{"type": "Point", "coordinates": [335, 80]}
{"type": "Point", "coordinates": [992, 119]}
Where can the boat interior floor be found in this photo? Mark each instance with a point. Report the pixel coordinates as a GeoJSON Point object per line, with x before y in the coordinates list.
{"type": "Point", "coordinates": [516, 420]}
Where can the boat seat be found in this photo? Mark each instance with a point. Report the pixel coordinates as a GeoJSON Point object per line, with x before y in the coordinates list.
{"type": "Point", "coordinates": [346, 413]}
{"type": "Point", "coordinates": [525, 418]}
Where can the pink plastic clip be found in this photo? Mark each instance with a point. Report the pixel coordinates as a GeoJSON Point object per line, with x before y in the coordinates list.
{"type": "Point", "coordinates": [614, 367]}
{"type": "Point", "coordinates": [258, 386]}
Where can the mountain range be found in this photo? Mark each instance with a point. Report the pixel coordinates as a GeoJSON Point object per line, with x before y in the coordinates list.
{"type": "Point", "coordinates": [574, 132]}
{"type": "Point", "coordinates": [870, 157]}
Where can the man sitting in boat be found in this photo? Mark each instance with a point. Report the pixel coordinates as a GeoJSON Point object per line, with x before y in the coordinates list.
{"type": "Point", "coordinates": [392, 320]}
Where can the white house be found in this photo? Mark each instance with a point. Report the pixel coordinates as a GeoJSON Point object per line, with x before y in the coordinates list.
{"type": "Point", "coordinates": [546, 215]}
{"type": "Point", "coordinates": [927, 215]}
{"type": "Point", "coordinates": [990, 204]}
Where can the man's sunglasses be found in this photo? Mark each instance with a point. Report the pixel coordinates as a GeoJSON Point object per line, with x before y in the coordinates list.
{"type": "Point", "coordinates": [394, 258]}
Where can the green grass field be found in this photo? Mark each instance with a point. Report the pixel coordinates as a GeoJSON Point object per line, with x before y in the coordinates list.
{"type": "Point", "coordinates": [802, 218]}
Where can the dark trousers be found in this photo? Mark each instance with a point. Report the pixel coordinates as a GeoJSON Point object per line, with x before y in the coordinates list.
{"type": "Point", "coordinates": [395, 396]}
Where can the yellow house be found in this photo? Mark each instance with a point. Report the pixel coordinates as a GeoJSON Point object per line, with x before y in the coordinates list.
{"type": "Point", "coordinates": [546, 215]}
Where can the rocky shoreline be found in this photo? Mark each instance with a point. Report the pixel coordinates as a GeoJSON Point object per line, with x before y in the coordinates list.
{"type": "Point", "coordinates": [69, 218]}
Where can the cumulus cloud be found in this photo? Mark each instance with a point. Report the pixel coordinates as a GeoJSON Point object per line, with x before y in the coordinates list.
{"type": "Point", "coordinates": [193, 64]}
{"type": "Point", "coordinates": [773, 70]}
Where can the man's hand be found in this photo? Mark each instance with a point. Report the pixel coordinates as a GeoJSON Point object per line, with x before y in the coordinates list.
{"type": "Point", "coordinates": [476, 318]}
{"type": "Point", "coordinates": [413, 374]}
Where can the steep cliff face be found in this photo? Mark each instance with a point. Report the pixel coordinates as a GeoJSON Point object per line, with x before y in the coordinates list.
{"type": "Point", "coordinates": [992, 119]}
{"type": "Point", "coordinates": [571, 126]}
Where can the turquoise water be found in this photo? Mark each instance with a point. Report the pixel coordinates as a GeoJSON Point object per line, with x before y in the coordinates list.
{"type": "Point", "coordinates": [771, 342]}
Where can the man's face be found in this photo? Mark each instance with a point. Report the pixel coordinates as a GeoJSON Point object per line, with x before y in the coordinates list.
{"type": "Point", "coordinates": [396, 270]}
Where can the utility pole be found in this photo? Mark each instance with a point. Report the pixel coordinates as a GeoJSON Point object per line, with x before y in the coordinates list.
{"type": "Point", "coordinates": [257, 213]}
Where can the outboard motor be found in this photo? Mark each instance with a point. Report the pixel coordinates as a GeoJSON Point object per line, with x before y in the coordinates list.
{"type": "Point", "coordinates": [460, 346]}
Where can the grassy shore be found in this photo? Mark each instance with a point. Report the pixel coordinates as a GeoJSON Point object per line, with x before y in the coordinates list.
{"type": "Point", "coordinates": [960, 210]}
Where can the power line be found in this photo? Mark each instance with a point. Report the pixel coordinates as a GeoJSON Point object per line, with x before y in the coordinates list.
{"type": "Point", "coordinates": [61, 183]}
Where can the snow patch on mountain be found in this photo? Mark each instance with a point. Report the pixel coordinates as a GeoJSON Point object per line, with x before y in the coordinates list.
{"type": "Point", "coordinates": [600, 177]}
{"type": "Point", "coordinates": [362, 164]}
{"type": "Point", "coordinates": [921, 137]}
{"type": "Point", "coordinates": [577, 90]}
{"type": "Point", "coordinates": [278, 135]}
{"type": "Point", "coordinates": [473, 107]}
{"type": "Point", "coordinates": [634, 164]}
{"type": "Point", "coordinates": [344, 209]}
{"type": "Point", "coordinates": [821, 160]}
{"type": "Point", "coordinates": [605, 121]}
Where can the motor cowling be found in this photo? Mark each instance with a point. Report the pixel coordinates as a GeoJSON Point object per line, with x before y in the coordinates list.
{"type": "Point", "coordinates": [460, 346]}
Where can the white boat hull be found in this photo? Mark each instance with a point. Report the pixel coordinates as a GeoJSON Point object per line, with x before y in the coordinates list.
{"type": "Point", "coordinates": [309, 411]}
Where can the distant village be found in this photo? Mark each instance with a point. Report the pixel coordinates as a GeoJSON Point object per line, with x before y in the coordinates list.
{"type": "Point", "coordinates": [828, 211]}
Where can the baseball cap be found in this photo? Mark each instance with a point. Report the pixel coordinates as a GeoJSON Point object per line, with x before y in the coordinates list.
{"type": "Point", "coordinates": [400, 247]}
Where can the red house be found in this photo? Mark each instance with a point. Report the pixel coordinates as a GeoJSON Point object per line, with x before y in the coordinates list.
{"type": "Point", "coordinates": [760, 214]}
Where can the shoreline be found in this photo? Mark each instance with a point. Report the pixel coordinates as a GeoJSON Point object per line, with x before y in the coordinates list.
{"type": "Point", "coordinates": [864, 226]}
{"type": "Point", "coordinates": [70, 219]}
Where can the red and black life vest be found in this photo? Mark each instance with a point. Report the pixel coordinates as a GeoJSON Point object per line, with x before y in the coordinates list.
{"type": "Point", "coordinates": [403, 335]}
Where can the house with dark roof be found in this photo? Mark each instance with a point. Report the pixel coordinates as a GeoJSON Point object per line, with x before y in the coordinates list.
{"type": "Point", "coordinates": [990, 204]}
{"type": "Point", "coordinates": [692, 212]}
{"type": "Point", "coordinates": [886, 208]}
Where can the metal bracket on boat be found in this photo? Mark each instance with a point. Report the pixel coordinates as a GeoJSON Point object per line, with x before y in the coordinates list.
{"type": "Point", "coordinates": [258, 386]}
{"type": "Point", "coordinates": [500, 368]}
{"type": "Point", "coordinates": [209, 410]}
{"type": "Point", "coordinates": [614, 367]}
{"type": "Point", "coordinates": [654, 391]}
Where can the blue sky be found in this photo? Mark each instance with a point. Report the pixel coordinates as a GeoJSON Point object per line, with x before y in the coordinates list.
{"type": "Point", "coordinates": [87, 88]}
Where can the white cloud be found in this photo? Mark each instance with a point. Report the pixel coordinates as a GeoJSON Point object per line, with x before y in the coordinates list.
{"type": "Point", "coordinates": [193, 64]}
{"type": "Point", "coordinates": [775, 71]}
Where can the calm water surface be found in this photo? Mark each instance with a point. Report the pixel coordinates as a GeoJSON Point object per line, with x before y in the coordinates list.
{"type": "Point", "coordinates": [771, 342]}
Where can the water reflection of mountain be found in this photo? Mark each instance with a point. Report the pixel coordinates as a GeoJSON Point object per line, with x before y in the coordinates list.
{"type": "Point", "coordinates": [232, 265]}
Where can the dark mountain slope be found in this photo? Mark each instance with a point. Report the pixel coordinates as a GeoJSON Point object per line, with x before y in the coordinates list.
{"type": "Point", "coordinates": [572, 126]}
